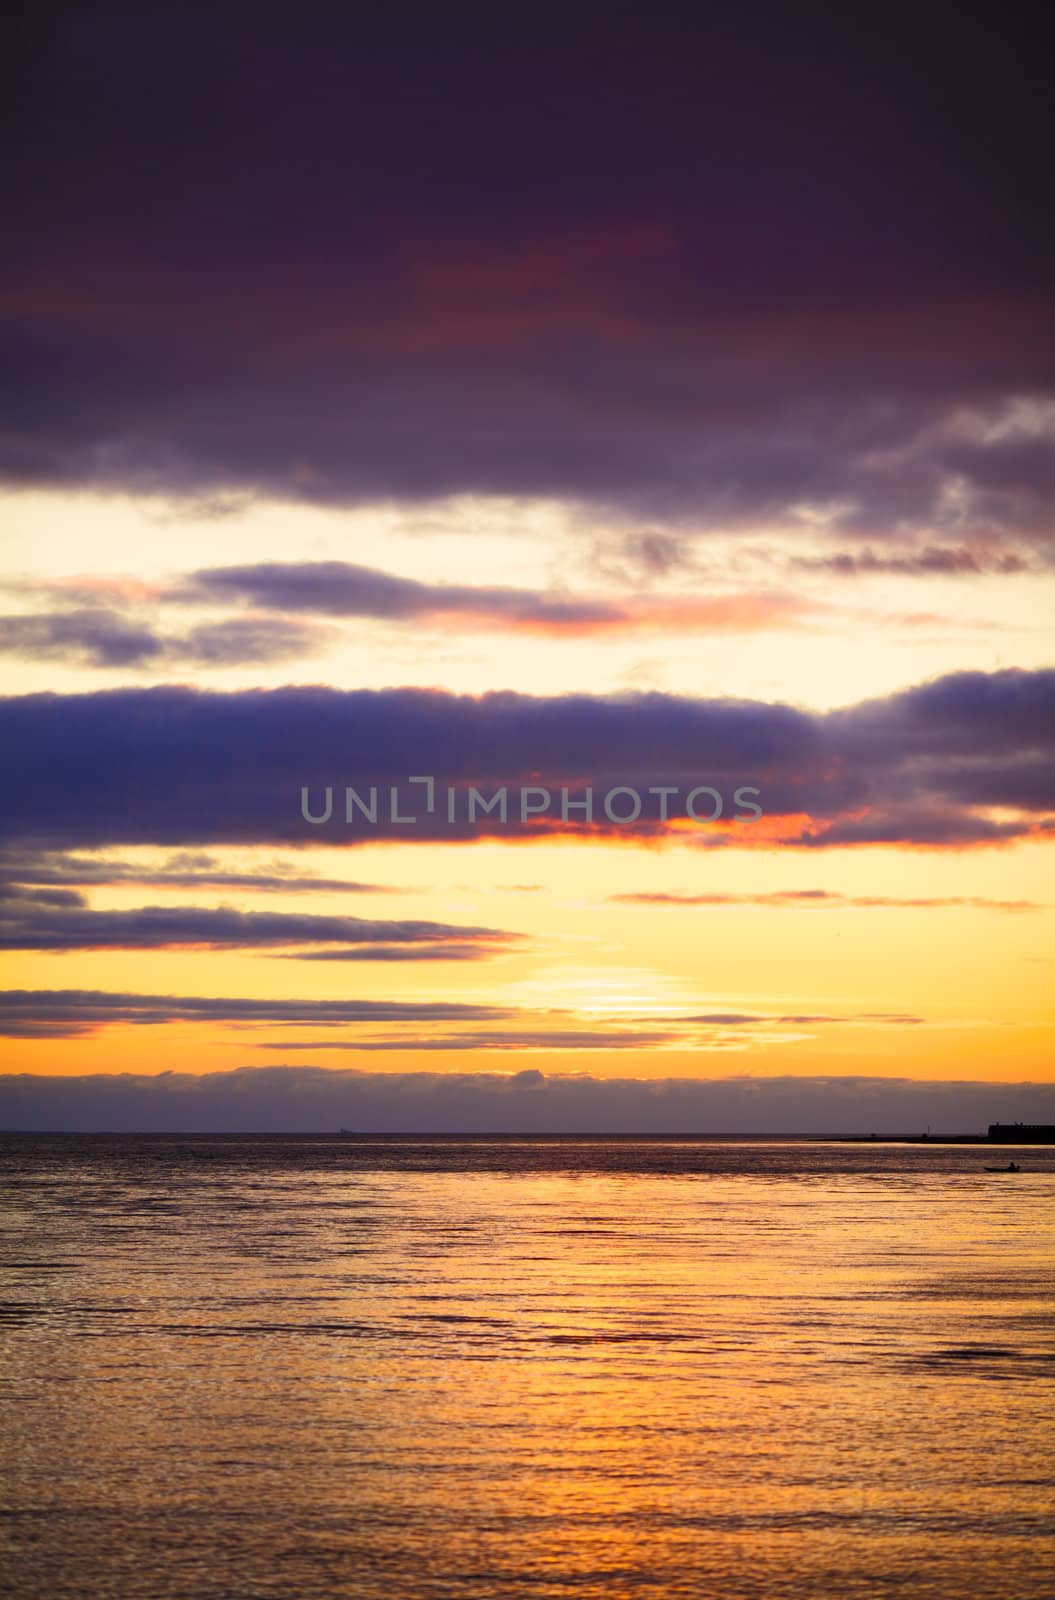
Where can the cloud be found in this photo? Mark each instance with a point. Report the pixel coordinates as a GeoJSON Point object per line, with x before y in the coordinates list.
{"type": "Point", "coordinates": [100, 636]}
{"type": "Point", "coordinates": [827, 899]}
{"type": "Point", "coordinates": [340, 589]}
{"type": "Point", "coordinates": [28, 925]}
{"type": "Point", "coordinates": [249, 641]}
{"type": "Point", "coordinates": [107, 638]}
{"type": "Point", "coordinates": [96, 635]}
{"type": "Point", "coordinates": [682, 424]}
{"type": "Point", "coordinates": [614, 1038]}
{"type": "Point", "coordinates": [186, 870]}
{"type": "Point", "coordinates": [760, 292]}
{"type": "Point", "coordinates": [437, 951]}
{"type": "Point", "coordinates": [929, 561]}
{"type": "Point", "coordinates": [291, 1099]}
{"type": "Point", "coordinates": [738, 1019]}
{"type": "Point", "coordinates": [964, 760]}
{"type": "Point", "coordinates": [68, 1013]}
{"type": "Point", "coordinates": [20, 896]}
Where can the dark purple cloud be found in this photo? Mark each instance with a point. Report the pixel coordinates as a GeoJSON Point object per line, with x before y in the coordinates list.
{"type": "Point", "coordinates": [20, 896]}
{"type": "Point", "coordinates": [186, 870]}
{"type": "Point", "coordinates": [687, 423]}
{"type": "Point", "coordinates": [28, 925]}
{"type": "Point", "coordinates": [248, 641]}
{"type": "Point", "coordinates": [100, 636]}
{"type": "Point", "coordinates": [67, 1013]}
{"type": "Point", "coordinates": [180, 767]}
{"type": "Point", "coordinates": [725, 264]}
{"type": "Point", "coordinates": [928, 560]}
{"type": "Point", "coordinates": [291, 1099]}
{"type": "Point", "coordinates": [341, 589]}
{"type": "Point", "coordinates": [438, 950]}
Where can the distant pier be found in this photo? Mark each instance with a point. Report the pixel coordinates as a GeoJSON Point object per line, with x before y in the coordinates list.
{"type": "Point", "coordinates": [1022, 1132]}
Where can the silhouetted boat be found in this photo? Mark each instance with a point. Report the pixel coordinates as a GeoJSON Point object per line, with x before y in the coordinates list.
{"type": "Point", "coordinates": [1011, 1167]}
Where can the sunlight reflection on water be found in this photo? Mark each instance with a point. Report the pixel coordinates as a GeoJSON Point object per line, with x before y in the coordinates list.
{"type": "Point", "coordinates": [423, 1368]}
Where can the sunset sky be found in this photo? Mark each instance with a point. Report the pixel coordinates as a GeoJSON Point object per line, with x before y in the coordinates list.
{"type": "Point", "coordinates": [511, 402]}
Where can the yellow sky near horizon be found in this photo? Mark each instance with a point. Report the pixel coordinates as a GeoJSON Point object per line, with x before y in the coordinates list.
{"type": "Point", "coordinates": [975, 980]}
{"type": "Point", "coordinates": [947, 990]}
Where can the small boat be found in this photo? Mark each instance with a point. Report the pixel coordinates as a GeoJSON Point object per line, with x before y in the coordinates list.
{"type": "Point", "coordinates": [1012, 1166]}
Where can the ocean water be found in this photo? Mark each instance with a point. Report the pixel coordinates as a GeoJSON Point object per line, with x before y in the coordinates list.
{"type": "Point", "coordinates": [416, 1368]}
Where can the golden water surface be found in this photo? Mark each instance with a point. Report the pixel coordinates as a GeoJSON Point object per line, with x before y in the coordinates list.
{"type": "Point", "coordinates": [424, 1368]}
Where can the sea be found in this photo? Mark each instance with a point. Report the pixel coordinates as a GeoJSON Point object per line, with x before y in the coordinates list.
{"type": "Point", "coordinates": [430, 1368]}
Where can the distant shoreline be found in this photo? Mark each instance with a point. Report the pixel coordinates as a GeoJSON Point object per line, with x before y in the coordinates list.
{"type": "Point", "coordinates": [367, 1136]}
